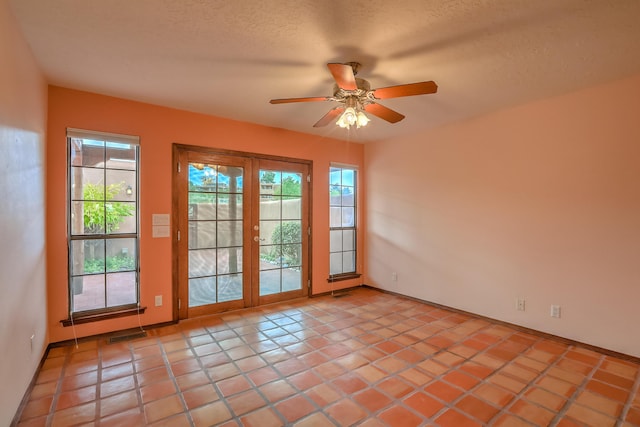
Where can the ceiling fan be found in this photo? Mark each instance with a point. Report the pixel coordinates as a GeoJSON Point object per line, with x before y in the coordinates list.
{"type": "Point", "coordinates": [355, 97]}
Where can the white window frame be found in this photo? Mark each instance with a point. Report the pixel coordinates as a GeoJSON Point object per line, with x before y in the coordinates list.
{"type": "Point", "coordinates": [343, 222]}
{"type": "Point", "coordinates": [75, 237]}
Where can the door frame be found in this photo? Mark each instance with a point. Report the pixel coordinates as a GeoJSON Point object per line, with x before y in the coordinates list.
{"type": "Point", "coordinates": [257, 299]}
{"type": "Point", "coordinates": [177, 150]}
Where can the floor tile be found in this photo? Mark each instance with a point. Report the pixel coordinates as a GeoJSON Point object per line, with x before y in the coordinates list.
{"type": "Point", "coordinates": [495, 395]}
{"type": "Point", "coordinates": [535, 414]}
{"type": "Point", "coordinates": [265, 417]}
{"type": "Point", "coordinates": [198, 396]}
{"type": "Point", "coordinates": [394, 387]}
{"type": "Point", "coordinates": [74, 415]}
{"type": "Point", "coordinates": [294, 408]}
{"type": "Point", "coordinates": [233, 385]}
{"type": "Point", "coordinates": [277, 390]}
{"type": "Point", "coordinates": [118, 403]}
{"type": "Point", "coordinates": [76, 397]}
{"type": "Point", "coordinates": [117, 371]}
{"type": "Point", "coordinates": [349, 384]}
{"type": "Point", "coordinates": [372, 400]}
{"type": "Point", "coordinates": [423, 404]}
{"type": "Point", "coordinates": [345, 412]}
{"type": "Point", "coordinates": [477, 409]}
{"type": "Point", "coordinates": [454, 418]}
{"type": "Point", "coordinates": [600, 403]}
{"type": "Point", "coordinates": [400, 416]}
{"type": "Point", "coordinates": [210, 414]}
{"type": "Point", "coordinates": [304, 380]}
{"type": "Point", "coordinates": [246, 402]}
{"type": "Point", "coordinates": [372, 360]}
{"type": "Point", "coordinates": [545, 398]}
{"type": "Point", "coordinates": [315, 420]}
{"type": "Point", "coordinates": [443, 391]}
{"type": "Point", "coordinates": [37, 408]}
{"type": "Point", "coordinates": [589, 416]}
{"type": "Point", "coordinates": [323, 395]}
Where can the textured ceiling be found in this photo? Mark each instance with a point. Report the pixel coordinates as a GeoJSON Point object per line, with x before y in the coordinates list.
{"type": "Point", "coordinates": [229, 58]}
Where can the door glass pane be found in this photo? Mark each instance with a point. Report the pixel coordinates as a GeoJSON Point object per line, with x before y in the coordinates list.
{"type": "Point", "coordinates": [229, 206]}
{"type": "Point", "coordinates": [202, 206]}
{"type": "Point", "coordinates": [229, 287]}
{"type": "Point", "coordinates": [292, 255]}
{"type": "Point", "coordinates": [202, 262]}
{"type": "Point", "coordinates": [229, 179]}
{"type": "Point", "coordinates": [292, 207]}
{"type": "Point", "coordinates": [202, 291]}
{"type": "Point", "coordinates": [291, 279]}
{"type": "Point", "coordinates": [215, 233]}
{"type": "Point", "coordinates": [291, 184]}
{"type": "Point", "coordinates": [270, 207]}
{"type": "Point", "coordinates": [280, 231]}
{"type": "Point", "coordinates": [202, 234]}
{"type": "Point", "coordinates": [229, 233]}
{"type": "Point", "coordinates": [270, 281]}
{"type": "Point", "coordinates": [229, 260]}
{"type": "Point", "coordinates": [202, 177]}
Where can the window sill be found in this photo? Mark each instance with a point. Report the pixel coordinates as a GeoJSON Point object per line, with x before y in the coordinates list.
{"type": "Point", "coordinates": [341, 277]}
{"type": "Point", "coordinates": [96, 317]}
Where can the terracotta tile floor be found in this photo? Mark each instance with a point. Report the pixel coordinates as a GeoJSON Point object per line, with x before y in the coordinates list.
{"type": "Point", "coordinates": [368, 359]}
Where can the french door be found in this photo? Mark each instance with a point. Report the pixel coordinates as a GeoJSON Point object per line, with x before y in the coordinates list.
{"type": "Point", "coordinates": [242, 231]}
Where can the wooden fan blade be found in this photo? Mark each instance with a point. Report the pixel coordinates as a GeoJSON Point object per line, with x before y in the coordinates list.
{"type": "Point", "coordinates": [422, 88]}
{"type": "Point", "coordinates": [329, 117]}
{"type": "Point", "coordinates": [383, 112]}
{"type": "Point", "coordinates": [343, 75]}
{"type": "Point", "coordinates": [287, 100]}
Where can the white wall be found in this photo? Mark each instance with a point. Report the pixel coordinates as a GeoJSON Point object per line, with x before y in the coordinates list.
{"type": "Point", "coordinates": [540, 202]}
{"type": "Point", "coordinates": [23, 98]}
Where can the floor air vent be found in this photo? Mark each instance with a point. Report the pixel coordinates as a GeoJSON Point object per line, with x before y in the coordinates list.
{"type": "Point", "coordinates": [340, 294]}
{"type": "Point", "coordinates": [128, 336]}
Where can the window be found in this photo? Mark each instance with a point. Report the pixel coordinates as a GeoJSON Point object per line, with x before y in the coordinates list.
{"type": "Point", "coordinates": [102, 222]}
{"type": "Point", "coordinates": [342, 221]}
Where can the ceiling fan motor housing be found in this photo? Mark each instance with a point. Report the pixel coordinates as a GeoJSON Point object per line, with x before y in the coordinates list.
{"type": "Point", "coordinates": [361, 93]}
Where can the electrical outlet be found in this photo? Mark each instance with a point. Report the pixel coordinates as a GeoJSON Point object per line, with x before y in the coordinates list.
{"type": "Point", "coordinates": [520, 305]}
{"type": "Point", "coordinates": [555, 311]}
{"type": "Point", "coordinates": [158, 300]}
{"type": "Point", "coordinates": [394, 276]}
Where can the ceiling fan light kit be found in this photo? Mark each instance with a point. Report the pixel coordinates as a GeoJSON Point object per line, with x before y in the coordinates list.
{"type": "Point", "coordinates": [356, 97]}
{"type": "Point", "coordinates": [353, 114]}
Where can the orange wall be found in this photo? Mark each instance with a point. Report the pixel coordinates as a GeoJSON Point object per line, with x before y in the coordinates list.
{"type": "Point", "coordinates": [159, 127]}
{"type": "Point", "coordinates": [540, 202]}
{"type": "Point", "coordinates": [23, 109]}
